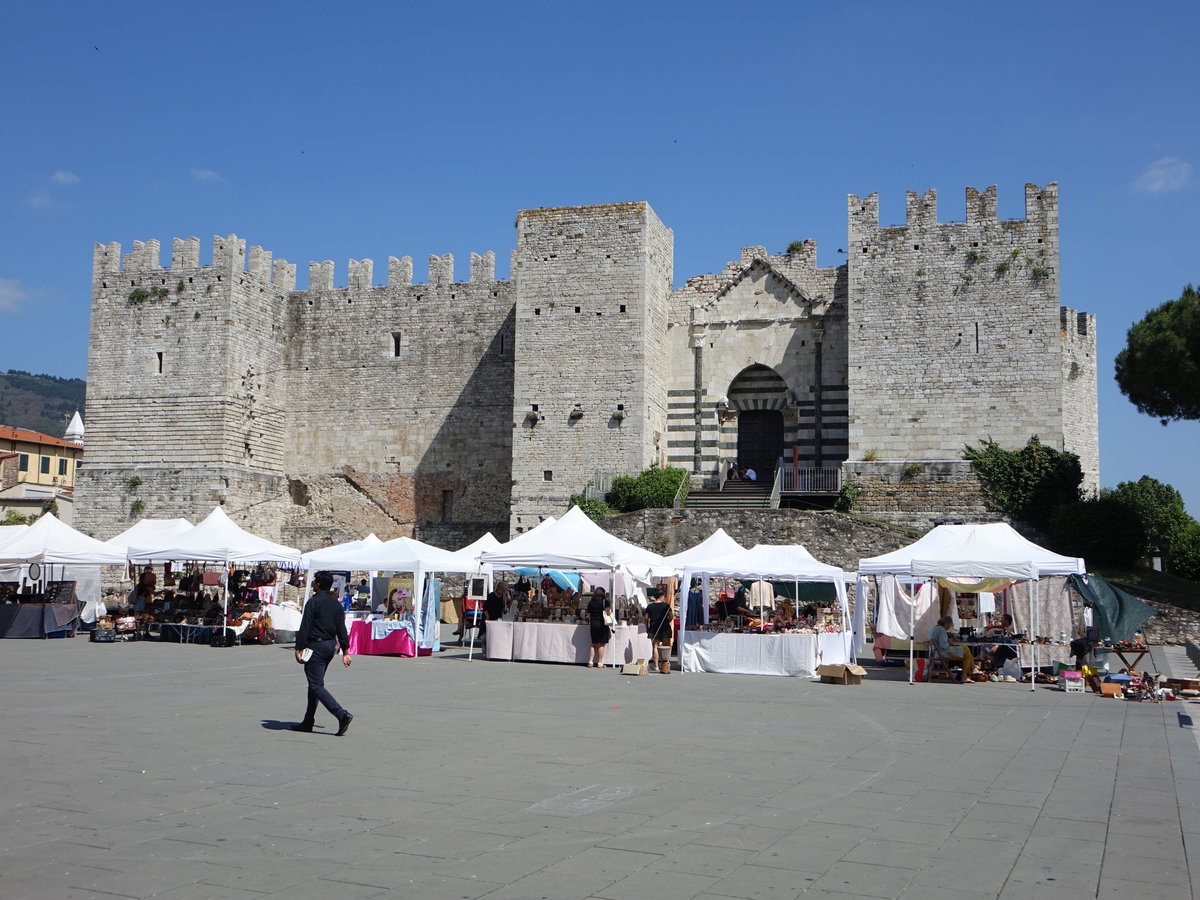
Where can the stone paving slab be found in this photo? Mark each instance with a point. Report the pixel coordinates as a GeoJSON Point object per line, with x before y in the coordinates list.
{"type": "Point", "coordinates": [165, 770]}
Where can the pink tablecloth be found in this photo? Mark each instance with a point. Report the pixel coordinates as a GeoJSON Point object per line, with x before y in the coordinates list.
{"type": "Point", "coordinates": [558, 642]}
{"type": "Point", "coordinates": [398, 643]}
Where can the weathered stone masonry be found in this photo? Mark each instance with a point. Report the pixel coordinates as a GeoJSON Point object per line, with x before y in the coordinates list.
{"type": "Point", "coordinates": [446, 409]}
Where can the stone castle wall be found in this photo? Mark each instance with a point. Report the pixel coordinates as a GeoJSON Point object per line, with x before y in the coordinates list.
{"type": "Point", "coordinates": [451, 408]}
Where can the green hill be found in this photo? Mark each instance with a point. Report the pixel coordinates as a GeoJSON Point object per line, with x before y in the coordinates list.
{"type": "Point", "coordinates": [42, 402]}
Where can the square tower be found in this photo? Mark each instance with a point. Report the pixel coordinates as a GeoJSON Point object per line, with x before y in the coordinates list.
{"type": "Point", "coordinates": [591, 359]}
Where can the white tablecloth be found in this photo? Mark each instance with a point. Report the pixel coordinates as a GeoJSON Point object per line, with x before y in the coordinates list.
{"type": "Point", "coordinates": [760, 654]}
{"type": "Point", "coordinates": [559, 642]}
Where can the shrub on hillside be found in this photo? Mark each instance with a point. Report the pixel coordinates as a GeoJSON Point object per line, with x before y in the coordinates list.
{"type": "Point", "coordinates": [1102, 531]}
{"type": "Point", "coordinates": [655, 488]}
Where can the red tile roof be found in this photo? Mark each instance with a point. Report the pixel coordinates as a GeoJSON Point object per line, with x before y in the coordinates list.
{"type": "Point", "coordinates": [25, 435]}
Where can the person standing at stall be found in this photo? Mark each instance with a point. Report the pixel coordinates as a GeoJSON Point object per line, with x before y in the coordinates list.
{"type": "Point", "coordinates": [659, 627]}
{"type": "Point", "coordinates": [322, 629]}
{"type": "Point", "coordinates": [601, 633]}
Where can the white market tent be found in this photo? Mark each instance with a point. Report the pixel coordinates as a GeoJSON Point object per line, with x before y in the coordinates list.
{"type": "Point", "coordinates": [329, 557]}
{"type": "Point", "coordinates": [218, 539]}
{"type": "Point", "coordinates": [53, 542]}
{"type": "Point", "coordinates": [715, 545]}
{"type": "Point", "coordinates": [215, 540]}
{"type": "Point", "coordinates": [973, 552]}
{"type": "Point", "coordinates": [9, 532]}
{"type": "Point", "coordinates": [772, 562]}
{"type": "Point", "coordinates": [148, 532]}
{"type": "Point", "coordinates": [574, 542]}
{"type": "Point", "coordinates": [407, 555]}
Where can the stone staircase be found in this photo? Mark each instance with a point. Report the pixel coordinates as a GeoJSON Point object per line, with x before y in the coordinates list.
{"type": "Point", "coordinates": [736, 495]}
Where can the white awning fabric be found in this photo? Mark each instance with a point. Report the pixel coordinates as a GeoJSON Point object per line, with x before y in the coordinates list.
{"type": "Point", "coordinates": [52, 541]}
{"type": "Point", "coordinates": [148, 532]}
{"type": "Point", "coordinates": [573, 542]}
{"type": "Point", "coordinates": [215, 540]}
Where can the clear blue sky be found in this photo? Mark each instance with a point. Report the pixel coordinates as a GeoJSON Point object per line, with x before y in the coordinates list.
{"type": "Point", "coordinates": [362, 130]}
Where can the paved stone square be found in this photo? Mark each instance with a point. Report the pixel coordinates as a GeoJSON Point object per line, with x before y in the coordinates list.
{"type": "Point", "coordinates": [161, 770]}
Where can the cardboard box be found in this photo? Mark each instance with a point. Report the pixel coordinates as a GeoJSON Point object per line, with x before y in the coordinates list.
{"type": "Point", "coordinates": [841, 673]}
{"type": "Point", "coordinates": [634, 668]}
{"type": "Point", "coordinates": [1108, 689]}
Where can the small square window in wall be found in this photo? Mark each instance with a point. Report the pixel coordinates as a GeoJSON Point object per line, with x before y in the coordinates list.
{"type": "Point", "coordinates": [622, 307]}
{"type": "Point", "coordinates": [547, 475]}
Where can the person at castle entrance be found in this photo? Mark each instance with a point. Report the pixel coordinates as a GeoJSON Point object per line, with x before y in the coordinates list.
{"type": "Point", "coordinates": [322, 630]}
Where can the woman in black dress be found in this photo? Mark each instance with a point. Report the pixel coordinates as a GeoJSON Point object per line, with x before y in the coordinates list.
{"type": "Point", "coordinates": [601, 633]}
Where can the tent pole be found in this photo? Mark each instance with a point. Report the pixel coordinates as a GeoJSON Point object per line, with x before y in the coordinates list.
{"type": "Point", "coordinates": [612, 596]}
{"type": "Point", "coordinates": [225, 598]}
{"type": "Point", "coordinates": [1037, 627]}
{"type": "Point", "coordinates": [912, 633]}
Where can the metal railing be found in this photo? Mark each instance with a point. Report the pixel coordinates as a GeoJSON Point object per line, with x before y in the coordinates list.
{"type": "Point", "coordinates": [681, 492]}
{"type": "Point", "coordinates": [599, 486]}
{"type": "Point", "coordinates": [809, 480]}
{"type": "Point", "coordinates": [776, 484]}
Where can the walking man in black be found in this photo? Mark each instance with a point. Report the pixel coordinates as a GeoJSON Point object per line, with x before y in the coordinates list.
{"type": "Point", "coordinates": [322, 629]}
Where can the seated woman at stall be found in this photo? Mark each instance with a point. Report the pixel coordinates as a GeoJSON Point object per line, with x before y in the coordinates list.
{"type": "Point", "coordinates": [939, 639]}
{"type": "Point", "coordinates": [997, 654]}
{"type": "Point", "coordinates": [783, 618]}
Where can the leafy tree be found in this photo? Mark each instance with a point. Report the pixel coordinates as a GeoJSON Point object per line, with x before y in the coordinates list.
{"type": "Point", "coordinates": [1100, 530]}
{"type": "Point", "coordinates": [1158, 506]}
{"type": "Point", "coordinates": [1029, 483]}
{"type": "Point", "coordinates": [50, 506]}
{"type": "Point", "coordinates": [1159, 369]}
{"type": "Point", "coordinates": [1185, 552]}
{"type": "Point", "coordinates": [655, 488]}
{"type": "Point", "coordinates": [12, 517]}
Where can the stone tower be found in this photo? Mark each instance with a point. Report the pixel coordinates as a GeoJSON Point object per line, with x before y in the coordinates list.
{"type": "Point", "coordinates": [956, 333]}
{"type": "Point", "coordinates": [185, 382]}
{"type": "Point", "coordinates": [591, 362]}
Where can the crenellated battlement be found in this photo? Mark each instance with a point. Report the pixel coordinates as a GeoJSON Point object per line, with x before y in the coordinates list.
{"type": "Point", "coordinates": [1041, 207]}
{"type": "Point", "coordinates": [360, 273]}
{"type": "Point", "coordinates": [228, 256]}
{"type": "Point", "coordinates": [1076, 326]}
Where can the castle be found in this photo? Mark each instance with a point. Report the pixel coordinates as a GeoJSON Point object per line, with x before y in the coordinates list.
{"type": "Point", "coordinates": [448, 408]}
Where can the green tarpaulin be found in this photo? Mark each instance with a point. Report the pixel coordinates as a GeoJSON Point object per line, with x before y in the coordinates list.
{"type": "Point", "coordinates": [1117, 615]}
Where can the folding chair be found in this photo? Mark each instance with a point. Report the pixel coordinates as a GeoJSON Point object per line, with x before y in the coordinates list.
{"type": "Point", "coordinates": [472, 619]}
{"type": "Point", "coordinates": [936, 661]}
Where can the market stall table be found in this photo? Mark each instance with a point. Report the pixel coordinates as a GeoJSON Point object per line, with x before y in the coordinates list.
{"type": "Point", "coordinates": [562, 642]}
{"type": "Point", "coordinates": [760, 654]}
{"type": "Point", "coordinates": [1137, 653]}
{"type": "Point", "coordinates": [384, 637]}
{"type": "Point", "coordinates": [38, 620]}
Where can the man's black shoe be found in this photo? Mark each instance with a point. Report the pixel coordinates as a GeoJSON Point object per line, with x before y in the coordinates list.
{"type": "Point", "coordinates": [300, 726]}
{"type": "Point", "coordinates": [344, 724]}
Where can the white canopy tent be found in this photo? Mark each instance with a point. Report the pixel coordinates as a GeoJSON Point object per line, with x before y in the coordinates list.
{"type": "Point", "coordinates": [405, 555]}
{"type": "Point", "coordinates": [715, 545]}
{"type": "Point", "coordinates": [329, 557]}
{"type": "Point", "coordinates": [148, 532]}
{"type": "Point", "coordinates": [218, 539]}
{"type": "Point", "coordinates": [971, 553]}
{"type": "Point", "coordinates": [10, 532]}
{"type": "Point", "coordinates": [574, 542]}
{"type": "Point", "coordinates": [772, 562]}
{"type": "Point", "coordinates": [50, 541]}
